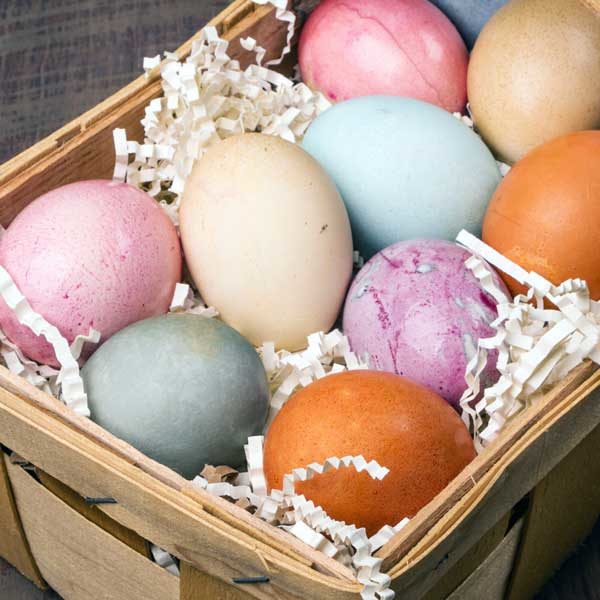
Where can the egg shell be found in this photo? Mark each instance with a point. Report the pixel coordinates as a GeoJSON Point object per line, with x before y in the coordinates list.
{"type": "Point", "coordinates": [267, 239]}
{"type": "Point", "coordinates": [352, 48]}
{"type": "Point", "coordinates": [399, 423]}
{"type": "Point", "coordinates": [184, 389]}
{"type": "Point", "coordinates": [469, 16]}
{"type": "Point", "coordinates": [419, 311]}
{"type": "Point", "coordinates": [405, 169]}
{"type": "Point", "coordinates": [533, 74]}
{"type": "Point", "coordinates": [89, 254]}
{"type": "Point", "coordinates": [545, 215]}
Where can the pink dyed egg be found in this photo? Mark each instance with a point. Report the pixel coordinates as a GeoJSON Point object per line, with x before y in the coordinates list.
{"type": "Point", "coordinates": [89, 254]}
{"type": "Point", "coordinates": [419, 312]}
{"type": "Point", "coordinates": [408, 48]}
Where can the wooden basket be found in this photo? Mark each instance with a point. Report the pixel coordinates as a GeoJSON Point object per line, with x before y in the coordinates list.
{"type": "Point", "coordinates": [496, 531]}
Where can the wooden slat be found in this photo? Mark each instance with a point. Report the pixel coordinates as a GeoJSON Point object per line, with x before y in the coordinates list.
{"type": "Point", "coordinates": [522, 467]}
{"type": "Point", "coordinates": [196, 585]}
{"type": "Point", "coordinates": [13, 542]}
{"type": "Point", "coordinates": [564, 507]}
{"type": "Point", "coordinates": [94, 514]}
{"type": "Point", "coordinates": [79, 560]}
{"type": "Point", "coordinates": [490, 579]}
{"type": "Point", "coordinates": [468, 478]}
{"type": "Point", "coordinates": [218, 507]}
{"type": "Point", "coordinates": [156, 511]}
{"type": "Point", "coordinates": [470, 561]}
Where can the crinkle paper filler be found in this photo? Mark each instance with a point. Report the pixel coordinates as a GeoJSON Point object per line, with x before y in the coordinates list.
{"type": "Point", "coordinates": [309, 523]}
{"type": "Point", "coordinates": [206, 98]}
{"type": "Point", "coordinates": [536, 346]}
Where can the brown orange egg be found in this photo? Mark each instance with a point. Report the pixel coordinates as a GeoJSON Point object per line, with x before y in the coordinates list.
{"type": "Point", "coordinates": [401, 424]}
{"type": "Point", "coordinates": [545, 215]}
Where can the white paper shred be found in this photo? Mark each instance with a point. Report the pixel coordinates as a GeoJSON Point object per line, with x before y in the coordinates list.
{"type": "Point", "coordinates": [185, 300]}
{"type": "Point", "coordinates": [287, 371]}
{"type": "Point", "coordinates": [536, 346]}
{"type": "Point", "coordinates": [163, 559]}
{"type": "Point", "coordinates": [68, 377]}
{"type": "Point", "coordinates": [207, 98]}
{"type": "Point", "coordinates": [309, 523]}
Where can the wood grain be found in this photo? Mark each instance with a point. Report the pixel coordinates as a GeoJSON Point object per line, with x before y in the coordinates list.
{"type": "Point", "coordinates": [469, 563]}
{"type": "Point", "coordinates": [218, 507]}
{"type": "Point", "coordinates": [79, 560]}
{"type": "Point", "coordinates": [156, 511]}
{"type": "Point", "coordinates": [467, 480]}
{"type": "Point", "coordinates": [490, 579]}
{"type": "Point", "coordinates": [14, 546]}
{"type": "Point", "coordinates": [94, 514]}
{"type": "Point", "coordinates": [83, 149]}
{"type": "Point", "coordinates": [195, 585]}
{"type": "Point", "coordinates": [522, 467]}
{"type": "Point", "coordinates": [563, 509]}
{"type": "Point", "coordinates": [59, 58]}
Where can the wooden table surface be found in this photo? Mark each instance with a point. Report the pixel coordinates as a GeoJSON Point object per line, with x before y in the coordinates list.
{"type": "Point", "coordinates": [60, 57]}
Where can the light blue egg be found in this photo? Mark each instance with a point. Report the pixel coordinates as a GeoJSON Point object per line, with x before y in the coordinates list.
{"type": "Point", "coordinates": [405, 169]}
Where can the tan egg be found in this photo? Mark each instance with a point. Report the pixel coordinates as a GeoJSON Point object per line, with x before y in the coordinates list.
{"type": "Point", "coordinates": [267, 239]}
{"type": "Point", "coordinates": [534, 74]}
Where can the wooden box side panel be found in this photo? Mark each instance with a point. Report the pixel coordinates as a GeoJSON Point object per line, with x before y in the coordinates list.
{"type": "Point", "coordinates": [491, 578]}
{"type": "Point", "coordinates": [14, 546]}
{"type": "Point", "coordinates": [548, 442]}
{"type": "Point", "coordinates": [77, 558]}
{"type": "Point", "coordinates": [563, 509]}
{"type": "Point", "coordinates": [159, 513]}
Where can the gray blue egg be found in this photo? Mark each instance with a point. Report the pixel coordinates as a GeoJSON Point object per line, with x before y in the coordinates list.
{"type": "Point", "coordinates": [184, 389]}
{"type": "Point", "coordinates": [469, 16]}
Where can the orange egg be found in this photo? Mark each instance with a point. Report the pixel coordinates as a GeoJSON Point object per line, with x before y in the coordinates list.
{"type": "Point", "coordinates": [401, 424]}
{"type": "Point", "coordinates": [545, 215]}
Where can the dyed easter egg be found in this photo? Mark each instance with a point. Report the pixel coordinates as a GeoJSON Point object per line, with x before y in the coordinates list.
{"type": "Point", "coordinates": [545, 215]}
{"type": "Point", "coordinates": [186, 390]}
{"type": "Point", "coordinates": [400, 424]}
{"type": "Point", "coordinates": [469, 16]}
{"type": "Point", "coordinates": [405, 169]}
{"type": "Point", "coordinates": [408, 48]}
{"type": "Point", "coordinates": [533, 74]}
{"type": "Point", "coordinates": [267, 239]}
{"type": "Point", "coordinates": [419, 311]}
{"type": "Point", "coordinates": [89, 254]}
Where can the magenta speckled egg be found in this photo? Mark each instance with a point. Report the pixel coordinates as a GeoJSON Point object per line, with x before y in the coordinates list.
{"type": "Point", "coordinates": [419, 312]}
{"type": "Point", "coordinates": [89, 254]}
{"type": "Point", "coordinates": [352, 48]}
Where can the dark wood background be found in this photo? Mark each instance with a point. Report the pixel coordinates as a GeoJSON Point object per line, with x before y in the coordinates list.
{"type": "Point", "coordinates": [60, 57]}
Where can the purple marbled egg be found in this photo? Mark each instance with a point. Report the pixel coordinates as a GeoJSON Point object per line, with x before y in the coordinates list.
{"type": "Point", "coordinates": [419, 312]}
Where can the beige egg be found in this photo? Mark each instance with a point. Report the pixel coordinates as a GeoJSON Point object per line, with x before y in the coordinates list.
{"type": "Point", "coordinates": [534, 74]}
{"type": "Point", "coordinates": [267, 239]}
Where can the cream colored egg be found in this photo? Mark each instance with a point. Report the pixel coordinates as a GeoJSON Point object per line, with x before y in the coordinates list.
{"type": "Point", "coordinates": [267, 239]}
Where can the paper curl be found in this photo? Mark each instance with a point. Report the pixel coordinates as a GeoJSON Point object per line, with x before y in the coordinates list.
{"type": "Point", "coordinates": [536, 346]}
{"type": "Point", "coordinates": [311, 524]}
{"type": "Point", "coordinates": [73, 394]}
{"type": "Point", "coordinates": [207, 98]}
{"type": "Point", "coordinates": [326, 353]}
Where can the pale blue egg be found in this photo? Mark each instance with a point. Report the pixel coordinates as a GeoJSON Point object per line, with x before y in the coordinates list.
{"type": "Point", "coordinates": [405, 169]}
